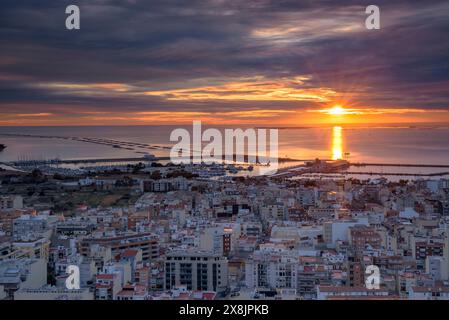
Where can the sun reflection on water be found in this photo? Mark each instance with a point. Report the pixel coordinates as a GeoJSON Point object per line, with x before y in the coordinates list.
{"type": "Point", "coordinates": [337, 143]}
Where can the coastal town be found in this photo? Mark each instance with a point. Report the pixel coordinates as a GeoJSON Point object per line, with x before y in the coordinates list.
{"type": "Point", "coordinates": [156, 231]}
{"type": "Point", "coordinates": [224, 158]}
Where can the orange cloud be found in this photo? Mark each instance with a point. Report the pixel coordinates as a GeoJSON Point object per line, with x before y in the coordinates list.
{"type": "Point", "coordinates": [256, 89]}
{"type": "Point", "coordinates": [32, 115]}
{"type": "Point", "coordinates": [242, 89]}
{"type": "Point", "coordinates": [87, 87]}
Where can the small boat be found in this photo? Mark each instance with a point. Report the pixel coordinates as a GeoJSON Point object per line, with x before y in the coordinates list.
{"type": "Point", "coordinates": [2, 147]}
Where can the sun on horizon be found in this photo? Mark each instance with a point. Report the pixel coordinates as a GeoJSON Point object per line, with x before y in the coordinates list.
{"type": "Point", "coordinates": [337, 110]}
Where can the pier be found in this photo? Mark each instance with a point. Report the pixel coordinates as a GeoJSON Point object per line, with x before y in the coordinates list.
{"type": "Point", "coordinates": [341, 166]}
{"type": "Point", "coordinates": [117, 144]}
{"type": "Point", "coordinates": [127, 145]}
{"type": "Point", "coordinates": [363, 164]}
{"type": "Point", "coordinates": [435, 174]}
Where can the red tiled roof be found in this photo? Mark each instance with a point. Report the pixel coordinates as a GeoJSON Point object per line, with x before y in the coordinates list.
{"type": "Point", "coordinates": [129, 253]}
{"type": "Point", "coordinates": [209, 295]}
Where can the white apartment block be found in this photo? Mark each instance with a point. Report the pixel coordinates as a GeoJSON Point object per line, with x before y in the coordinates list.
{"type": "Point", "coordinates": [197, 271]}
{"type": "Point", "coordinates": [272, 269]}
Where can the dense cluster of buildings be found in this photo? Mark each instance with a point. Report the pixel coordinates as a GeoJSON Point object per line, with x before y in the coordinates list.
{"type": "Point", "coordinates": [243, 238]}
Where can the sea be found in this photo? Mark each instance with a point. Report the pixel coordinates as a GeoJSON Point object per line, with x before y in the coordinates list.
{"type": "Point", "coordinates": [426, 144]}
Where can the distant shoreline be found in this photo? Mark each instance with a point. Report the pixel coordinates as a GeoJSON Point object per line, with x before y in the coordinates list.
{"type": "Point", "coordinates": [423, 125]}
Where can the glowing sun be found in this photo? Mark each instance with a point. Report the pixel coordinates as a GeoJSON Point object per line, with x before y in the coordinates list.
{"type": "Point", "coordinates": [337, 111]}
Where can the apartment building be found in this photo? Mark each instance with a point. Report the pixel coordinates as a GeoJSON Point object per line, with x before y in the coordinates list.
{"type": "Point", "coordinates": [219, 239]}
{"type": "Point", "coordinates": [108, 286]}
{"type": "Point", "coordinates": [164, 185]}
{"type": "Point", "coordinates": [312, 271]}
{"type": "Point", "coordinates": [133, 293]}
{"type": "Point", "coordinates": [27, 225]}
{"type": "Point", "coordinates": [334, 231]}
{"type": "Point", "coordinates": [147, 242]}
{"type": "Point", "coordinates": [38, 248]}
{"type": "Point", "coordinates": [428, 248]}
{"type": "Point", "coordinates": [22, 273]}
{"type": "Point", "coordinates": [272, 268]}
{"type": "Point", "coordinates": [197, 271]}
{"type": "Point", "coordinates": [362, 236]}
{"type": "Point", "coordinates": [307, 197]}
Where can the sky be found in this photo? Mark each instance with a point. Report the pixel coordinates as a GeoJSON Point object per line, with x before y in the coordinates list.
{"type": "Point", "coordinates": [277, 62]}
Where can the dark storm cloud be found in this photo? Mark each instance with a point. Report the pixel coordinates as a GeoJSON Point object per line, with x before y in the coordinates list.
{"type": "Point", "coordinates": [167, 45]}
